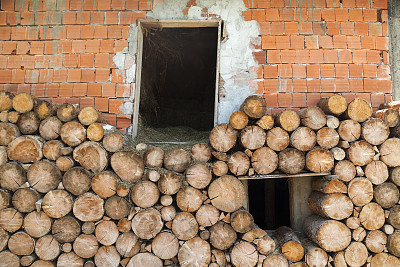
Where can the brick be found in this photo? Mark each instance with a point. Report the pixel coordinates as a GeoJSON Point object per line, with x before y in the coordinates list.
{"type": "Point", "coordinates": [370, 70]}
{"type": "Point", "coordinates": [355, 14]}
{"type": "Point", "coordinates": [370, 14]}
{"type": "Point", "coordinates": [17, 76]}
{"type": "Point", "coordinates": [355, 71]}
{"type": "Point", "coordinates": [101, 61]}
{"type": "Point", "coordinates": [361, 28]}
{"type": "Point", "coordinates": [285, 70]}
{"type": "Point", "coordinates": [37, 90]}
{"type": "Point", "coordinates": [374, 56]}
{"type": "Point", "coordinates": [86, 102]}
{"type": "Point", "coordinates": [342, 14]}
{"type": "Point", "coordinates": [98, 17]}
{"type": "Point", "coordinates": [86, 61]}
{"type": "Point", "coordinates": [385, 29]}
{"type": "Point", "coordinates": [273, 56]}
{"type": "Point", "coordinates": [124, 121]}
{"type": "Point", "coordinates": [258, 14]}
{"type": "Point", "coordinates": [124, 90]}
{"type": "Point", "coordinates": [22, 48]}
{"type": "Point", "coordinates": [305, 27]}
{"type": "Point", "coordinates": [107, 46]}
{"type": "Point", "coordinates": [41, 62]}
{"type": "Point", "coordinates": [111, 17]}
{"type": "Point", "coordinates": [70, 61]}
{"type": "Point", "coordinates": [353, 42]}
{"type": "Point", "coordinates": [359, 56]}
{"type": "Point", "coordinates": [384, 16]}
{"type": "Point", "coordinates": [313, 99]}
{"type": "Point", "coordinates": [327, 85]}
{"type": "Point", "coordinates": [384, 86]}
{"type": "Point", "coordinates": [325, 42]}
{"type": "Point", "coordinates": [375, 28]}
{"type": "Point", "coordinates": [118, 4]}
{"type": "Point", "coordinates": [114, 105]}
{"type": "Point", "coordinates": [45, 76]}
{"type": "Point", "coordinates": [54, 61]}
{"type": "Point", "coordinates": [60, 75]}
{"type": "Point", "coordinates": [119, 45]}
{"type": "Point", "coordinates": [94, 89]}
{"type": "Point", "coordinates": [319, 28]}
{"type": "Point", "coordinates": [31, 76]}
{"type": "Point", "coordinates": [114, 32]}
{"type": "Point", "coordinates": [379, 4]}
{"type": "Point", "coordinates": [286, 14]}
{"type": "Point", "coordinates": [73, 100]}
{"type": "Point", "coordinates": [349, 96]}
{"type": "Point", "coordinates": [87, 32]}
{"type": "Point", "coordinates": [382, 43]}
{"type": "Point", "coordinates": [246, 15]}
{"type": "Point", "coordinates": [270, 71]}
{"type": "Point", "coordinates": [316, 56]}
{"type": "Point", "coordinates": [88, 75]}
{"type": "Point", "coordinates": [271, 99]}
{"type": "Point", "coordinates": [78, 46]}
{"type": "Point", "coordinates": [347, 28]}
{"type": "Point", "coordinates": [271, 85]}
{"type": "Point", "coordinates": [291, 28]}
{"type": "Point", "coordinates": [100, 32]}
{"type": "Point", "coordinates": [331, 56]}
{"type": "Point", "coordinates": [101, 104]}
{"type": "Point", "coordinates": [365, 96]}
{"type": "Point", "coordinates": [311, 42]}
{"type": "Point", "coordinates": [385, 57]}
{"type": "Point", "coordinates": [69, 17]}
{"type": "Point", "coordinates": [299, 71]}
{"type": "Point", "coordinates": [79, 89]}
{"type": "Point", "coordinates": [51, 89]}
{"type": "Point", "coordinates": [368, 42]}
{"type": "Point", "coordinates": [3, 62]}
{"type": "Point", "coordinates": [74, 75]}
{"type": "Point", "coordinates": [333, 28]}
{"type": "Point", "coordinates": [83, 17]}
{"type": "Point", "coordinates": [283, 42]}
{"type": "Point", "coordinates": [9, 48]}
{"type": "Point", "coordinates": [288, 56]}
{"type": "Point", "coordinates": [341, 85]}
{"type": "Point", "coordinates": [73, 32]}
{"type": "Point", "coordinates": [356, 85]}
{"type": "Point", "coordinates": [277, 28]}
{"type": "Point", "coordinates": [327, 70]}
{"type": "Point", "coordinates": [339, 42]}
{"type": "Point", "coordinates": [118, 76]}
{"type": "Point", "coordinates": [265, 28]}
{"type": "Point", "coordinates": [313, 71]}
{"type": "Point", "coordinates": [388, 97]}
{"type": "Point", "coordinates": [285, 100]}
{"type": "Point", "coordinates": [299, 85]}
{"type": "Point", "coordinates": [328, 14]}
{"type": "Point", "coordinates": [313, 85]}
{"type": "Point", "coordinates": [66, 89]}
{"type": "Point", "coordinates": [18, 33]}
{"type": "Point", "coordinates": [383, 72]}
{"type": "Point", "coordinates": [3, 20]}
{"type": "Point", "coordinates": [268, 42]}
{"type": "Point", "coordinates": [12, 18]}
{"type": "Point", "coordinates": [14, 61]}
{"type": "Point", "coordinates": [362, 3]}
{"type": "Point", "coordinates": [102, 75]}
{"type": "Point", "coordinates": [285, 85]}
{"type": "Point", "coordinates": [104, 5]}
{"type": "Point", "coordinates": [302, 56]}
{"type": "Point", "coordinates": [370, 85]}
{"type": "Point", "coordinates": [65, 46]}
{"type": "Point", "coordinates": [377, 99]}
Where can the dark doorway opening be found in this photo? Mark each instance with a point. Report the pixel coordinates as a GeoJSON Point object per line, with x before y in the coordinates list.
{"type": "Point", "coordinates": [269, 202]}
{"type": "Point", "coordinates": [178, 77]}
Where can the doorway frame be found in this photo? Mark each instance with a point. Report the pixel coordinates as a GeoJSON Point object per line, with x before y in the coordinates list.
{"type": "Point", "coordinates": [146, 23]}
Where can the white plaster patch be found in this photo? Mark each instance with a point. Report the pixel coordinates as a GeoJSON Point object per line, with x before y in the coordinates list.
{"type": "Point", "coordinates": [126, 108]}
{"type": "Point", "coordinates": [195, 13]}
{"type": "Point", "coordinates": [169, 9]}
{"type": "Point", "coordinates": [119, 60]}
{"type": "Point", "coordinates": [130, 74]}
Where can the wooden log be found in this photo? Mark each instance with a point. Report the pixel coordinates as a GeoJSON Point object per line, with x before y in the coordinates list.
{"type": "Point", "coordinates": [222, 235]}
{"type": "Point", "coordinates": [335, 206]}
{"type": "Point", "coordinates": [388, 229]}
{"type": "Point", "coordinates": [8, 132]}
{"type": "Point", "coordinates": [277, 139]}
{"type": "Point", "coordinates": [37, 224]}
{"type": "Point", "coordinates": [376, 241]}
{"type": "Point", "coordinates": [312, 117]}
{"type": "Point", "coordinates": [332, 122]}
{"type": "Point", "coordinates": [327, 138]}
{"type": "Point", "coordinates": [244, 254]}
{"type": "Point", "coordinates": [384, 260]}
{"type": "Point", "coordinates": [91, 156]}
{"type": "Point", "coordinates": [177, 160]}
{"type": "Point", "coordinates": [12, 176]}
{"type": "Point", "coordinates": [3, 155]}
{"type": "Point", "coordinates": [77, 181]}
{"type": "Point", "coordinates": [353, 222]}
{"type": "Point", "coordinates": [361, 153]}
{"type": "Point", "coordinates": [4, 116]}
{"type": "Point", "coordinates": [43, 176]}
{"type": "Point", "coordinates": [28, 123]}
{"type": "Point", "coordinates": [291, 161]}
{"type": "Point", "coordinates": [275, 260]}
{"type": "Point", "coordinates": [254, 106]}
{"type": "Point", "coordinates": [47, 248]}
{"type": "Point", "coordinates": [330, 235]}
{"type": "Point", "coordinates": [335, 104]}
{"type": "Point", "coordinates": [219, 257]}
{"type": "Point", "coordinates": [328, 185]}
{"type": "Point", "coordinates": [66, 229]}
{"type": "Point", "coordinates": [220, 168]}
{"type": "Point", "coordinates": [54, 149]}
{"type": "Point", "coordinates": [189, 199]}
{"type": "Point", "coordinates": [238, 120]}
{"type": "Point", "coordinates": [113, 142]}
{"type": "Point", "coordinates": [108, 256]}
{"type": "Point", "coordinates": [253, 137]}
{"type": "Point", "coordinates": [360, 191]}
{"type": "Point", "coordinates": [389, 152]}
{"type": "Point", "coordinates": [27, 260]}
{"type": "Point", "coordinates": [89, 227]}
{"type": "Point", "coordinates": [6, 99]}
{"type": "Point", "coordinates": [88, 207]}
{"type": "Point", "coordinates": [227, 193]}
{"type": "Point", "coordinates": [314, 256]}
{"type": "Point", "coordinates": [198, 175]}
{"type": "Point", "coordinates": [223, 137]}
{"type": "Point", "coordinates": [128, 244]}
{"type": "Point", "coordinates": [338, 153]}
{"type": "Point", "coordinates": [145, 194]}
{"type": "Point", "coordinates": [5, 199]}
{"type": "Point", "coordinates": [319, 160]}
{"type": "Point", "coordinates": [239, 163]}
{"type": "Point", "coordinates": [44, 109]}
{"type": "Point", "coordinates": [288, 120]}
{"type": "Point", "coordinates": [266, 122]}
{"type": "Point", "coordinates": [169, 184]}
{"type": "Point", "coordinates": [201, 152]}
{"type": "Point", "coordinates": [13, 116]}
{"type": "Point", "coordinates": [375, 131]}
{"type": "Point", "coordinates": [242, 221]}
{"type": "Point", "coordinates": [22, 102]}
{"type": "Point", "coordinates": [166, 200]}
{"type": "Point", "coordinates": [394, 175]}
{"type": "Point", "coordinates": [73, 133]}
{"type": "Point", "coordinates": [9, 259]}
{"type": "Point", "coordinates": [359, 110]}
{"type": "Point", "coordinates": [128, 166]}
{"type": "Point", "coordinates": [69, 259]}
{"type": "Point", "coordinates": [386, 195]}
{"type": "Point", "coordinates": [104, 184]}
{"type": "Point", "coordinates": [349, 130]}
{"type": "Point", "coordinates": [265, 245]}
{"type": "Point", "coordinates": [154, 175]}
{"type": "Point", "coordinates": [377, 172]}
{"type": "Point", "coordinates": [220, 156]}
{"type": "Point", "coordinates": [106, 233]}
{"type": "Point", "coordinates": [264, 160]}
{"type": "Point", "coordinates": [345, 170]}
{"type": "Point", "coordinates": [153, 157]}
{"type": "Point", "coordinates": [117, 207]}
{"type": "Point", "coordinates": [85, 246]}
{"type": "Point", "coordinates": [339, 260]}
{"type": "Point", "coordinates": [207, 215]}
{"type": "Point", "coordinates": [393, 244]}
{"type": "Point", "coordinates": [21, 243]}
{"type": "Point", "coordinates": [88, 115]}
{"type": "Point", "coordinates": [289, 243]}
{"type": "Point", "coordinates": [168, 213]}
{"type": "Point", "coordinates": [359, 234]}
{"type": "Point", "coordinates": [184, 226]}
{"type": "Point", "coordinates": [95, 132]}
{"type": "Point", "coordinates": [194, 252]}
{"type": "Point", "coordinates": [391, 104]}
{"type": "Point", "coordinates": [24, 199]}
{"type": "Point", "coordinates": [372, 216]}
{"type": "Point", "coordinates": [303, 139]}
{"type": "Point", "coordinates": [57, 203]}
{"type": "Point", "coordinates": [394, 216]}
{"type": "Point", "coordinates": [147, 223]}
{"type": "Point", "coordinates": [356, 254]}
{"type": "Point", "coordinates": [165, 245]}
{"type": "Point", "coordinates": [25, 149]}
{"type": "Point", "coordinates": [66, 112]}
{"type": "Point", "coordinates": [390, 116]}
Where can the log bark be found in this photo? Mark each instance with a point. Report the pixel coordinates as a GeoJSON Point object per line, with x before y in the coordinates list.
{"type": "Point", "coordinates": [334, 206]}
{"type": "Point", "coordinates": [372, 216]}
{"type": "Point", "coordinates": [277, 139]}
{"type": "Point", "coordinates": [266, 122]}
{"type": "Point", "coordinates": [147, 223]}
{"type": "Point", "coordinates": [376, 241]}
{"type": "Point", "coordinates": [222, 236]}
{"type": "Point", "coordinates": [88, 207]}
{"type": "Point", "coordinates": [37, 224]}
{"type": "Point", "coordinates": [73, 133]}
{"type": "Point", "coordinates": [57, 203]}
{"type": "Point", "coordinates": [128, 244]}
{"type": "Point", "coordinates": [254, 106]}
{"type": "Point", "coordinates": [47, 248]}
{"type": "Point", "coordinates": [88, 115]}
{"type": "Point", "coordinates": [242, 221]}
{"type": "Point", "coordinates": [394, 216]}
{"type": "Point", "coordinates": [327, 138]}
{"type": "Point", "coordinates": [264, 160]}
{"type": "Point", "coordinates": [386, 195]}
{"type": "Point", "coordinates": [356, 254]}
{"type": "Point", "coordinates": [113, 142]}
{"type": "Point", "coordinates": [28, 123]}
{"type": "Point", "coordinates": [201, 152]}
{"type": "Point", "coordinates": [384, 260]}
{"type": "Point", "coordinates": [189, 199]}
{"type": "Point", "coordinates": [85, 246]}
{"type": "Point", "coordinates": [184, 226]}
{"type": "Point", "coordinates": [117, 207]}
{"type": "Point", "coordinates": [91, 156]}
{"type": "Point", "coordinates": [106, 233]}
{"type": "Point", "coordinates": [289, 243]}
{"type": "Point", "coordinates": [328, 185]}
{"type": "Point", "coordinates": [275, 260]}
{"type": "Point", "coordinates": [194, 252]}
{"type": "Point", "coordinates": [288, 120]}
{"type": "Point", "coordinates": [153, 157]}
{"type": "Point", "coordinates": [207, 215]}
{"type": "Point", "coordinates": [361, 153]}
{"type": "Point", "coordinates": [22, 102]}
{"type": "Point", "coordinates": [145, 194]}
{"type": "Point", "coordinates": [165, 245]}
{"type": "Point", "coordinates": [44, 109]}
{"type": "Point", "coordinates": [66, 112]}
{"type": "Point", "coordinates": [127, 165]}
{"type": "Point", "coordinates": [359, 110]}
{"type": "Point", "coordinates": [6, 100]}
{"type": "Point", "coordinates": [312, 117]}
{"type": "Point", "coordinates": [239, 163]}
{"type": "Point", "coordinates": [238, 120]}
{"type": "Point", "coordinates": [25, 149]}
{"type": "Point", "coordinates": [177, 160]}
{"type": "Point", "coordinates": [349, 130]}
{"type": "Point", "coordinates": [108, 256]}
{"type": "Point", "coordinates": [389, 152]}
{"type": "Point", "coordinates": [21, 244]}
{"type": "Point", "coordinates": [319, 160]}
{"type": "Point", "coordinates": [244, 254]}
{"type": "Point", "coordinates": [223, 137]}
{"type": "Point", "coordinates": [24, 199]}
{"type": "Point", "coordinates": [3, 155]}
{"type": "Point", "coordinates": [291, 161]}
{"type": "Point", "coordinates": [345, 170]}
{"type": "Point", "coordinates": [227, 193]}
{"type": "Point", "coordinates": [95, 132]}
{"type": "Point", "coordinates": [198, 175]}
{"type": "Point", "coordinates": [253, 137]}
{"type": "Point", "coordinates": [12, 176]}
{"type": "Point", "coordinates": [44, 176]}
{"type": "Point", "coordinates": [360, 191]}
{"type": "Point", "coordinates": [220, 168]}
{"type": "Point", "coordinates": [105, 184]}
{"type": "Point", "coordinates": [375, 131]}
{"type": "Point", "coordinates": [77, 181]}
{"type": "Point", "coordinates": [169, 184]}
{"type": "Point", "coordinates": [66, 229]}
{"type": "Point", "coordinates": [335, 104]}
{"type": "Point", "coordinates": [8, 132]}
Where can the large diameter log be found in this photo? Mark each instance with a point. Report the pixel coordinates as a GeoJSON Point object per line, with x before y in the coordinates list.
{"type": "Point", "coordinates": [28, 123]}
{"type": "Point", "coordinates": [85, 246]}
{"type": "Point", "coordinates": [303, 139]}
{"type": "Point", "coordinates": [128, 244]}
{"type": "Point", "coordinates": [394, 216]}
{"type": "Point", "coordinates": [390, 152]}
{"type": "Point", "coordinates": [242, 221]}
{"type": "Point", "coordinates": [77, 180]}
{"type": "Point", "coordinates": [25, 149]}
{"type": "Point", "coordinates": [22, 102]}
{"type": "Point", "coordinates": [315, 256]}
{"type": "Point", "coordinates": [330, 235]}
{"type": "Point", "coordinates": [207, 215]}
{"type": "Point", "coordinates": [345, 170]}
{"type": "Point", "coordinates": [312, 117]}
{"type": "Point", "coordinates": [73, 133]}
{"type": "Point", "coordinates": [8, 132]}
{"type": "Point", "coordinates": [290, 244]}
{"type": "Point", "coordinates": [238, 120]}
{"type": "Point", "coordinates": [239, 163]}
{"type": "Point", "coordinates": [12, 176]}
{"type": "Point", "coordinates": [117, 207]}
{"type": "Point", "coordinates": [69, 259]}
{"type": "Point", "coordinates": [194, 252]}
{"type": "Point", "coordinates": [349, 130]}
{"type": "Point", "coordinates": [384, 260]}
{"type": "Point", "coordinates": [4, 236]}
{"type": "Point", "coordinates": [222, 236]}
{"type": "Point", "coordinates": [223, 137]}
{"type": "Point", "coordinates": [265, 245]}
{"type": "Point", "coordinates": [145, 194]}
{"type": "Point", "coordinates": [319, 160]}
{"type": "Point", "coordinates": [198, 175]}
{"type": "Point", "coordinates": [177, 160]}
{"type": "Point", "coordinates": [66, 229]}
{"type": "Point", "coordinates": [254, 106]}
{"type": "Point", "coordinates": [253, 137]}
{"type": "Point", "coordinates": [361, 153]}
{"type": "Point", "coordinates": [227, 193]}
{"type": "Point", "coordinates": [165, 245]}
{"type": "Point", "coordinates": [6, 100]}
{"type": "Point", "coordinates": [24, 199]}
{"type": "Point", "coordinates": [9, 259]}
{"type": "Point", "coordinates": [393, 244]}
{"type": "Point", "coordinates": [113, 142]}
{"type": "Point", "coordinates": [47, 248]}
{"type": "Point", "coordinates": [91, 156]}
{"type": "Point", "coordinates": [189, 199]}
{"type": "Point", "coordinates": [359, 110]}
{"type": "Point", "coordinates": [288, 120]}
{"type": "Point", "coordinates": [106, 233]}
{"type": "Point", "coordinates": [88, 207]}
{"type": "Point", "coordinates": [360, 191]}
{"type": "Point", "coordinates": [57, 203]}
{"type": "Point", "coordinates": [10, 219]}
{"type": "Point", "coordinates": [44, 176]}
{"type": "Point", "coordinates": [201, 152]}
{"type": "Point", "coordinates": [184, 226]}
{"type": "Point", "coordinates": [153, 157]}
{"type": "Point", "coordinates": [386, 195]}
{"type": "Point", "coordinates": [5, 199]}
{"type": "Point", "coordinates": [53, 149]}
{"type": "Point", "coordinates": [335, 104]}
{"type": "Point", "coordinates": [375, 131]}
{"type": "Point", "coordinates": [264, 160]}
{"type": "Point", "coordinates": [244, 254]}
{"type": "Point", "coordinates": [376, 241]}
{"type": "Point", "coordinates": [169, 184]}
{"type": "Point", "coordinates": [334, 206]}
{"type": "Point", "coordinates": [147, 223]}
{"type": "Point", "coordinates": [327, 138]}
{"type": "Point", "coordinates": [377, 172]}
{"type": "Point", "coordinates": [277, 139]}
{"type": "Point", "coordinates": [104, 184]}
{"type": "Point", "coordinates": [356, 254]}
{"type": "Point", "coordinates": [37, 224]}
{"type": "Point", "coordinates": [21, 243]}
{"type": "Point", "coordinates": [372, 216]}
{"type": "Point", "coordinates": [275, 260]}
{"type": "Point", "coordinates": [291, 161]}
{"type": "Point", "coordinates": [128, 166]}
{"type": "Point", "coordinates": [108, 256]}
{"type": "Point", "coordinates": [328, 185]}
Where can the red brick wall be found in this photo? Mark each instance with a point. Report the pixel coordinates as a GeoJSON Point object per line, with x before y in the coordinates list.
{"type": "Point", "coordinates": [63, 51]}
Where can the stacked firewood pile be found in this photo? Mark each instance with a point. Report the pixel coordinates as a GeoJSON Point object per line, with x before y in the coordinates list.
{"type": "Point", "coordinates": [72, 196]}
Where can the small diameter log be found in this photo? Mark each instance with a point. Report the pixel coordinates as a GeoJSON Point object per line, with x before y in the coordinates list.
{"type": "Point", "coordinates": [8, 132]}
{"type": "Point", "coordinates": [319, 160]}
{"type": "Point", "coordinates": [25, 149]}
{"type": "Point", "coordinates": [128, 244]}
{"type": "Point", "coordinates": [153, 157]}
{"type": "Point", "coordinates": [47, 248]}
{"type": "Point", "coordinates": [349, 130]}
{"type": "Point", "coordinates": [73, 133]}
{"type": "Point", "coordinates": [166, 200]}
{"type": "Point", "coordinates": [338, 153]}
{"type": "Point", "coordinates": [177, 160]}
{"type": "Point", "coordinates": [88, 227]}
{"type": "Point", "coordinates": [147, 223]}
{"type": "Point", "coordinates": [356, 254]}
{"type": "Point", "coordinates": [198, 175]}
{"type": "Point", "coordinates": [88, 115]}
{"type": "Point", "coordinates": [145, 194]}
{"type": "Point", "coordinates": [239, 163]}
{"type": "Point", "coordinates": [12, 176]}
{"type": "Point", "coordinates": [24, 199]}
{"type": "Point", "coordinates": [44, 176]}
{"type": "Point", "coordinates": [169, 184]}
{"type": "Point", "coordinates": [165, 245]}
{"type": "Point", "coordinates": [253, 137]}
{"type": "Point", "coordinates": [386, 195]}
{"type": "Point", "coordinates": [69, 259]}
{"type": "Point", "coordinates": [328, 185]}
{"type": "Point", "coordinates": [108, 256]}
{"type": "Point", "coordinates": [375, 131]}
{"type": "Point", "coordinates": [253, 234]}
{"type": "Point", "coordinates": [288, 120]}
{"type": "Point", "coordinates": [127, 165]}
{"type": "Point", "coordinates": [361, 153]}
{"type": "Point", "coordinates": [13, 116]}
{"type": "Point", "coordinates": [6, 100]}
{"type": "Point", "coordinates": [254, 106]}
{"type": "Point", "coordinates": [66, 247]}
{"type": "Point", "coordinates": [184, 226]}
{"type": "Point", "coordinates": [27, 260]}
{"type": "Point", "coordinates": [394, 216]}
{"type": "Point", "coordinates": [332, 122]}
{"type": "Point", "coordinates": [291, 161]}
{"type": "Point", "coordinates": [222, 236]}
{"type": "Point", "coordinates": [168, 213]}
{"type": "Point", "coordinates": [339, 260]}
{"type": "Point", "coordinates": [394, 175]}
{"type": "Point", "coordinates": [265, 245]}
{"type": "Point", "coordinates": [388, 229]}
{"type": "Point", "coordinates": [194, 252]}
{"type": "Point", "coordinates": [85, 246]}
{"type": "Point", "coordinates": [91, 156]}
{"type": "Point", "coordinates": [359, 110]}
{"type": "Point", "coordinates": [289, 243]}
{"type": "Point", "coordinates": [95, 132]}
{"type": "Point", "coordinates": [315, 256]}
{"type": "Point", "coordinates": [220, 156]}
{"type": "Point", "coordinates": [266, 122]}
{"type": "Point", "coordinates": [28, 123]}
{"type": "Point", "coordinates": [88, 207]}
{"type": "Point", "coordinates": [201, 152]}
{"type": "Point", "coordinates": [377, 172]}
{"type": "Point", "coordinates": [390, 116]}
{"type": "Point", "coordinates": [227, 193]}
{"type": "Point", "coordinates": [21, 243]}
{"type": "Point", "coordinates": [244, 254]}
{"type": "Point", "coordinates": [345, 170]}
{"type": "Point", "coordinates": [360, 191]}
{"type": "Point", "coordinates": [117, 207]}
{"type": "Point", "coordinates": [5, 199]}
{"type": "Point", "coordinates": [359, 234]}
{"type": "Point", "coordinates": [189, 199]}
{"type": "Point", "coordinates": [242, 221]}
{"type": "Point", "coordinates": [303, 139]}
{"type": "Point", "coordinates": [113, 142]}
{"type": "Point", "coordinates": [277, 139]}
{"type": "Point", "coordinates": [57, 203]}
{"type": "Point", "coordinates": [238, 120]}
{"type": "Point", "coordinates": [66, 112]}
{"type": "Point", "coordinates": [390, 152]}
{"type": "Point", "coordinates": [376, 241]}
{"type": "Point", "coordinates": [372, 216]}
{"type": "Point", "coordinates": [393, 244]}
{"type": "Point", "coordinates": [37, 224]}
{"type": "Point", "coordinates": [9, 259]}
{"type": "Point", "coordinates": [107, 233]}
{"type": "Point", "coordinates": [330, 235]}
{"type": "Point", "coordinates": [4, 116]}
{"type": "Point", "coordinates": [312, 117]}
{"type": "Point", "coordinates": [334, 206]}
{"type": "Point", "coordinates": [64, 163]}
{"type": "Point", "coordinates": [220, 168]}
{"type": "Point", "coordinates": [154, 175]}
{"type": "Point", "coordinates": [77, 180]}
{"type": "Point", "coordinates": [44, 109]}
{"type": "Point", "coordinates": [66, 229]}
{"type": "Point", "coordinates": [384, 260]}
{"type": "Point", "coordinates": [54, 149]}
{"type": "Point", "coordinates": [334, 105]}
{"type": "Point", "coordinates": [264, 160]}
{"type": "Point", "coordinates": [327, 138]}
{"type": "Point", "coordinates": [275, 260]}
{"type": "Point", "coordinates": [223, 137]}
{"type": "Point", "coordinates": [207, 215]}
{"type": "Point", "coordinates": [22, 102]}
{"type": "Point", "coordinates": [105, 184]}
